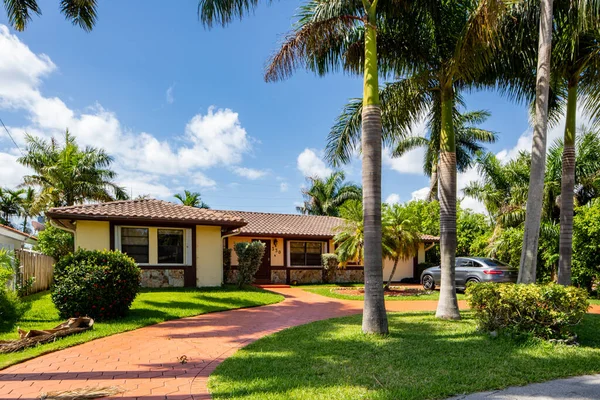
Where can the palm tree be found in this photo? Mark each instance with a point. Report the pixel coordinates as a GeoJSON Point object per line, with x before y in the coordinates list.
{"type": "Point", "coordinates": [350, 236]}
{"type": "Point", "coordinates": [191, 199]}
{"type": "Point", "coordinates": [67, 174]}
{"type": "Point", "coordinates": [401, 238]}
{"type": "Point", "coordinates": [325, 196]}
{"type": "Point", "coordinates": [437, 60]}
{"type": "Point", "coordinates": [79, 12]}
{"type": "Point", "coordinates": [10, 204]}
{"type": "Point", "coordinates": [527, 271]}
{"type": "Point", "coordinates": [26, 211]}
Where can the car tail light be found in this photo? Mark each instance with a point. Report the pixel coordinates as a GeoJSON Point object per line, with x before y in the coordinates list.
{"type": "Point", "coordinates": [492, 272]}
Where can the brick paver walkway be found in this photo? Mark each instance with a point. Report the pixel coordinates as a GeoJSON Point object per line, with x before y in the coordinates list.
{"type": "Point", "coordinates": [145, 362]}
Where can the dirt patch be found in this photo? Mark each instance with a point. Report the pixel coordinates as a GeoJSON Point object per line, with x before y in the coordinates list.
{"type": "Point", "coordinates": [394, 291]}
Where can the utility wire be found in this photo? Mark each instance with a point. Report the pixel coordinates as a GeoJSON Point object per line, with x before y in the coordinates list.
{"type": "Point", "coordinates": [11, 138]}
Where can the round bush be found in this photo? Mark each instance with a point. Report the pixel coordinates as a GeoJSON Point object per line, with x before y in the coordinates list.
{"type": "Point", "coordinates": [11, 308]}
{"type": "Point", "coordinates": [98, 284]}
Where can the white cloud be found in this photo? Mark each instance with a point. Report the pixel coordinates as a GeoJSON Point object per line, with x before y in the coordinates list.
{"type": "Point", "coordinates": [249, 173]}
{"type": "Point", "coordinates": [170, 97]}
{"type": "Point", "coordinates": [311, 165]}
{"type": "Point", "coordinates": [136, 184]}
{"type": "Point", "coordinates": [11, 172]}
{"type": "Point", "coordinates": [393, 198]}
{"type": "Point", "coordinates": [213, 139]}
{"type": "Point", "coordinates": [420, 194]}
{"type": "Point", "coordinates": [283, 187]}
{"type": "Point", "coordinates": [409, 163]}
{"type": "Point", "coordinates": [202, 180]}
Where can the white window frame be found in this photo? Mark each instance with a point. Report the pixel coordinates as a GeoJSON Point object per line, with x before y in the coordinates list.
{"type": "Point", "coordinates": [187, 244]}
{"type": "Point", "coordinates": [324, 245]}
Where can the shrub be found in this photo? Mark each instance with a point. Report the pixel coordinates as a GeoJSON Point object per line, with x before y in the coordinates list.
{"type": "Point", "coordinates": [99, 284]}
{"type": "Point", "coordinates": [11, 308]}
{"type": "Point", "coordinates": [226, 263]}
{"type": "Point", "coordinates": [330, 263]}
{"type": "Point", "coordinates": [249, 258]}
{"type": "Point", "coordinates": [55, 242]}
{"type": "Point", "coordinates": [544, 311]}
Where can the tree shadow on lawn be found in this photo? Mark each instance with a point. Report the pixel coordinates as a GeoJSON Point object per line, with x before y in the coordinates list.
{"type": "Point", "coordinates": [421, 358]}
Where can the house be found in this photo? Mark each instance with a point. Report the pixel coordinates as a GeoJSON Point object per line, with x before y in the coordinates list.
{"type": "Point", "coordinates": [14, 239]}
{"type": "Point", "coordinates": [177, 245]}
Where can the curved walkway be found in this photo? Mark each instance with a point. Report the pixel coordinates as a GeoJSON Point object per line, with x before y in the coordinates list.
{"type": "Point", "coordinates": [146, 362]}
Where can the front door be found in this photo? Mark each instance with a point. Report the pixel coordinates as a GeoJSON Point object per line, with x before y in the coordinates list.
{"type": "Point", "coordinates": [264, 271]}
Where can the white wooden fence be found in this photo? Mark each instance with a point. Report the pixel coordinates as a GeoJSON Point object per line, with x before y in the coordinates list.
{"type": "Point", "coordinates": [36, 265]}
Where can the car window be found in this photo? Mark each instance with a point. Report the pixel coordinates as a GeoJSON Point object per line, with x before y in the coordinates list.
{"type": "Point", "coordinates": [495, 263]}
{"type": "Point", "coordinates": [465, 263]}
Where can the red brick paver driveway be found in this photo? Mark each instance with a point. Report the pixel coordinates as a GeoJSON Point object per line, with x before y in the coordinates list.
{"type": "Point", "coordinates": [145, 362]}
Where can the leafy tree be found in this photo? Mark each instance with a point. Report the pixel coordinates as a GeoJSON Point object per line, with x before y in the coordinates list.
{"type": "Point", "coordinates": [586, 245]}
{"type": "Point", "coordinates": [79, 12]}
{"type": "Point", "coordinates": [55, 242]}
{"type": "Point", "coordinates": [67, 174]}
{"type": "Point", "coordinates": [325, 196]}
{"type": "Point", "coordinates": [10, 204]}
{"type": "Point", "coordinates": [192, 199]}
{"type": "Point", "coordinates": [469, 227]}
{"type": "Point", "coordinates": [400, 236]}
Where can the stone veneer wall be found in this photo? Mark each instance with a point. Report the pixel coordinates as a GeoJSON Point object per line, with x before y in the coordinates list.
{"type": "Point", "coordinates": [306, 275]}
{"type": "Point", "coordinates": [278, 276]}
{"type": "Point", "coordinates": [157, 278]}
{"type": "Point", "coordinates": [349, 276]}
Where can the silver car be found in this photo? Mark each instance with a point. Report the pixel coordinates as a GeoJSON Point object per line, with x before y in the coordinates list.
{"type": "Point", "coordinates": [472, 269]}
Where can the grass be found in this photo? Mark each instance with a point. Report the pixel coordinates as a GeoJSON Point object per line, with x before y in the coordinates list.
{"type": "Point", "coordinates": [422, 358]}
{"type": "Point", "coordinates": [151, 306]}
{"type": "Point", "coordinates": [595, 301]}
{"type": "Point", "coordinates": [328, 291]}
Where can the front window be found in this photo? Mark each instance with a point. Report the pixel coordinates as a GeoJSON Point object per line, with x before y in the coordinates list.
{"type": "Point", "coordinates": [305, 253]}
{"type": "Point", "coordinates": [170, 246]}
{"type": "Point", "coordinates": [135, 243]}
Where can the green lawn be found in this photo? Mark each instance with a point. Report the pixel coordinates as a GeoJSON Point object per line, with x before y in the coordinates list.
{"type": "Point", "coordinates": [150, 307]}
{"type": "Point", "coordinates": [422, 358]}
{"type": "Point", "coordinates": [328, 290]}
{"type": "Point", "coordinates": [595, 301]}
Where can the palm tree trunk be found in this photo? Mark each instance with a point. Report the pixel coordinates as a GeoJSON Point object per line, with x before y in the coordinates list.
{"type": "Point", "coordinates": [527, 272]}
{"type": "Point", "coordinates": [433, 183]}
{"type": "Point", "coordinates": [567, 180]}
{"type": "Point", "coordinates": [374, 315]}
{"type": "Point", "coordinates": [389, 281]}
{"type": "Point", "coordinates": [448, 304]}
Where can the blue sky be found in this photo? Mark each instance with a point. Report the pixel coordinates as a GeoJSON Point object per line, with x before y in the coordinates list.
{"type": "Point", "coordinates": [180, 106]}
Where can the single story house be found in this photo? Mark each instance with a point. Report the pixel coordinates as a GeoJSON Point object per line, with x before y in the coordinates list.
{"type": "Point", "coordinates": [14, 239]}
{"type": "Point", "coordinates": [177, 245]}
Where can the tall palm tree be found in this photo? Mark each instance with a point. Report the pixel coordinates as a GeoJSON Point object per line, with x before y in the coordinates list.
{"type": "Point", "coordinates": [527, 271]}
{"type": "Point", "coordinates": [192, 199]}
{"type": "Point", "coordinates": [27, 207]}
{"type": "Point", "coordinates": [438, 61]}
{"type": "Point", "coordinates": [79, 12]}
{"type": "Point", "coordinates": [400, 236]}
{"type": "Point", "coordinates": [350, 236]}
{"type": "Point", "coordinates": [10, 204]}
{"type": "Point", "coordinates": [67, 174]}
{"type": "Point", "coordinates": [325, 196]}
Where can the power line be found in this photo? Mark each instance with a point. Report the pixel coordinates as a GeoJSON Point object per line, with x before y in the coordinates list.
{"type": "Point", "coordinates": [11, 138]}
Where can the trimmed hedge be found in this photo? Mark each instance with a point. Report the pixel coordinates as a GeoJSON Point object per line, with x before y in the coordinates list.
{"type": "Point", "coordinates": [249, 256]}
{"type": "Point", "coordinates": [544, 311]}
{"type": "Point", "coordinates": [330, 263]}
{"type": "Point", "coordinates": [99, 284]}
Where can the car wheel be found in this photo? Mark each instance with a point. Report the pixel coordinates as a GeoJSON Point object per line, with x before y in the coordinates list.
{"type": "Point", "coordinates": [428, 282]}
{"type": "Point", "coordinates": [472, 280]}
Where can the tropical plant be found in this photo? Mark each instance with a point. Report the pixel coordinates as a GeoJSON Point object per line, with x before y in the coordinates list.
{"type": "Point", "coordinates": [79, 12]}
{"type": "Point", "coordinates": [191, 199]}
{"type": "Point", "coordinates": [586, 245]}
{"type": "Point", "coordinates": [469, 140]}
{"type": "Point", "coordinates": [350, 235]}
{"type": "Point", "coordinates": [26, 212]}
{"type": "Point", "coordinates": [10, 204]}
{"type": "Point", "coordinates": [55, 242]}
{"type": "Point", "coordinates": [400, 236]}
{"type": "Point", "coordinates": [67, 174]}
{"type": "Point", "coordinates": [325, 196]}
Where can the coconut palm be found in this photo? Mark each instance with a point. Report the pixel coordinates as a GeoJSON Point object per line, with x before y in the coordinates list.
{"type": "Point", "coordinates": [325, 196]}
{"type": "Point", "coordinates": [350, 235]}
{"type": "Point", "coordinates": [192, 199]}
{"type": "Point", "coordinates": [27, 207]}
{"type": "Point", "coordinates": [79, 12]}
{"type": "Point", "coordinates": [68, 175]}
{"type": "Point", "coordinates": [10, 204]}
{"type": "Point", "coordinates": [400, 236]}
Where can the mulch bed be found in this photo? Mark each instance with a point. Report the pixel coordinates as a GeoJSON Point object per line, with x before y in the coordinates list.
{"type": "Point", "coordinates": [394, 291]}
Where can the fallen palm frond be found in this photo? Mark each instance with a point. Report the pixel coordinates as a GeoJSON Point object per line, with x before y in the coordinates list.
{"type": "Point", "coordinates": [83, 393]}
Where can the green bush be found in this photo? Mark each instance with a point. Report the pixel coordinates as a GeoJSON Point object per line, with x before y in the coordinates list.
{"type": "Point", "coordinates": [544, 311]}
{"type": "Point", "coordinates": [11, 308]}
{"type": "Point", "coordinates": [330, 263]}
{"type": "Point", "coordinates": [99, 284]}
{"type": "Point", "coordinates": [249, 258]}
{"type": "Point", "coordinates": [226, 263]}
{"type": "Point", "coordinates": [55, 242]}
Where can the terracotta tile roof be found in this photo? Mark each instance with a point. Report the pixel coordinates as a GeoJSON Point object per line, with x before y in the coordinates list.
{"type": "Point", "coordinates": [146, 210]}
{"type": "Point", "coordinates": [294, 225]}
{"type": "Point", "coordinates": [27, 235]}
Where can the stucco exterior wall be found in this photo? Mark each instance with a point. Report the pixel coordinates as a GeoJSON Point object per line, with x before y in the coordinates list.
{"type": "Point", "coordinates": [209, 256]}
{"type": "Point", "coordinates": [405, 267]}
{"type": "Point", "coordinates": [92, 235]}
{"type": "Point", "coordinates": [277, 252]}
{"type": "Point", "coordinates": [10, 243]}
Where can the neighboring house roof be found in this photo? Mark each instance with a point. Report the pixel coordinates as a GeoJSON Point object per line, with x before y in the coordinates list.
{"type": "Point", "coordinates": [147, 210]}
{"type": "Point", "coordinates": [15, 233]}
{"type": "Point", "coordinates": [287, 225]}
